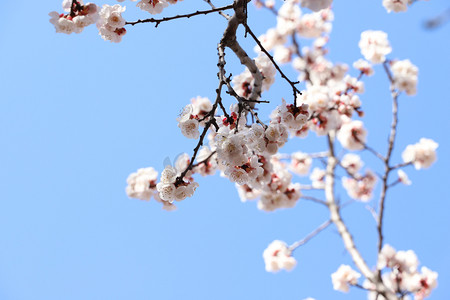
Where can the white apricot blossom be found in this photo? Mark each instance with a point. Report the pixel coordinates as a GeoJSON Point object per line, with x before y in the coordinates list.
{"type": "Point", "coordinates": [169, 189]}
{"type": "Point", "coordinates": [318, 178]}
{"type": "Point", "coordinates": [352, 162]}
{"type": "Point", "coordinates": [277, 256]}
{"type": "Point", "coordinates": [374, 46]}
{"type": "Point", "coordinates": [153, 6]}
{"type": "Point", "coordinates": [142, 184]}
{"type": "Point", "coordinates": [288, 17]}
{"type": "Point", "coordinates": [395, 5]}
{"type": "Point", "coordinates": [360, 187]}
{"type": "Point", "coordinates": [111, 23]}
{"type": "Point", "coordinates": [189, 123]}
{"type": "Point", "coordinates": [364, 66]}
{"type": "Point", "coordinates": [404, 275]}
{"type": "Point", "coordinates": [80, 17]}
{"type": "Point", "coordinates": [421, 155]}
{"type": "Point", "coordinates": [352, 135]}
{"type": "Point", "coordinates": [300, 163]}
{"type": "Point", "coordinates": [316, 5]}
{"type": "Point", "coordinates": [404, 74]}
{"type": "Point", "coordinates": [343, 277]}
{"type": "Point", "coordinates": [403, 177]}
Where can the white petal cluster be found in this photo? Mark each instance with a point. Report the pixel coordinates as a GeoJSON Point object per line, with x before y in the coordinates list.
{"type": "Point", "coordinates": [374, 46]}
{"type": "Point", "coordinates": [352, 135]}
{"type": "Point", "coordinates": [404, 275]}
{"type": "Point", "coordinates": [288, 17]}
{"type": "Point", "coordinates": [169, 190]}
{"type": "Point", "coordinates": [189, 123]}
{"type": "Point", "coordinates": [142, 184]}
{"type": "Point", "coordinates": [273, 186]}
{"type": "Point", "coordinates": [245, 173]}
{"type": "Point", "coordinates": [111, 23]}
{"type": "Point", "coordinates": [318, 178]}
{"type": "Point", "coordinates": [231, 148]}
{"type": "Point", "coordinates": [277, 256]}
{"type": "Point", "coordinates": [405, 261]}
{"type": "Point", "coordinates": [405, 74]}
{"type": "Point", "coordinates": [395, 5]}
{"type": "Point", "coordinates": [279, 195]}
{"type": "Point", "coordinates": [403, 177]}
{"type": "Point", "coordinates": [352, 163]}
{"type": "Point", "coordinates": [201, 106]}
{"type": "Point", "coordinates": [421, 155]}
{"type": "Point", "coordinates": [316, 24]}
{"type": "Point", "coordinates": [316, 5]}
{"type": "Point", "coordinates": [360, 187]}
{"type": "Point", "coordinates": [364, 66]}
{"type": "Point", "coordinates": [294, 118]}
{"type": "Point", "coordinates": [153, 6]}
{"type": "Point", "coordinates": [267, 69]}
{"type": "Point", "coordinates": [282, 54]}
{"type": "Point", "coordinates": [270, 40]}
{"type": "Point", "coordinates": [82, 17]}
{"type": "Point", "coordinates": [343, 277]}
{"type": "Point", "coordinates": [300, 163]}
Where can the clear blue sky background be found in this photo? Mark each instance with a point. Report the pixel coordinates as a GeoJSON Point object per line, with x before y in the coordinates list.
{"type": "Point", "coordinates": [78, 114]}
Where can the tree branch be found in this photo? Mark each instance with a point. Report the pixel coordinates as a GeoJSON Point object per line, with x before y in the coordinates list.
{"type": "Point", "coordinates": [310, 236]}
{"type": "Point", "coordinates": [199, 12]}
{"type": "Point", "coordinates": [294, 88]}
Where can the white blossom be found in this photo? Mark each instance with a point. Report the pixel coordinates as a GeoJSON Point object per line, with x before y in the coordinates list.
{"type": "Point", "coordinates": [318, 178]}
{"type": "Point", "coordinates": [288, 17]}
{"type": "Point", "coordinates": [405, 74]}
{"type": "Point", "coordinates": [403, 177]}
{"type": "Point", "coordinates": [352, 135]}
{"type": "Point", "coordinates": [422, 154]}
{"type": "Point", "coordinates": [360, 187]}
{"type": "Point", "coordinates": [153, 6]}
{"type": "Point", "coordinates": [277, 256]}
{"type": "Point", "coordinates": [142, 184]}
{"type": "Point", "coordinates": [352, 162]}
{"type": "Point", "coordinates": [374, 46]}
{"type": "Point", "coordinates": [395, 5]}
{"type": "Point", "coordinates": [111, 23]}
{"type": "Point", "coordinates": [300, 163]}
{"type": "Point", "coordinates": [364, 66]}
{"type": "Point", "coordinates": [343, 277]}
{"type": "Point", "coordinates": [316, 5]}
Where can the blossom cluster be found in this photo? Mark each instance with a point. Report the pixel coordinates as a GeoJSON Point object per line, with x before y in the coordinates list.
{"type": "Point", "coordinates": [403, 275]}
{"type": "Point", "coordinates": [344, 277]}
{"type": "Point", "coordinates": [397, 5]}
{"type": "Point", "coordinates": [193, 116]}
{"type": "Point", "coordinates": [421, 155]}
{"type": "Point", "coordinates": [277, 256]}
{"type": "Point", "coordinates": [77, 17]}
{"type": "Point", "coordinates": [109, 20]}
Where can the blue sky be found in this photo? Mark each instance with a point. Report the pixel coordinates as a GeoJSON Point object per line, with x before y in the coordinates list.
{"type": "Point", "coordinates": [78, 114]}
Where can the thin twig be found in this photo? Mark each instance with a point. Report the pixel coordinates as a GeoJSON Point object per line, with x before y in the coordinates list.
{"type": "Point", "coordinates": [398, 166]}
{"type": "Point", "coordinates": [310, 236]}
{"type": "Point", "coordinates": [313, 199]}
{"type": "Point", "coordinates": [205, 160]}
{"type": "Point", "coordinates": [294, 88]}
{"type": "Point", "coordinates": [165, 19]}
{"type": "Point", "coordinates": [220, 12]}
